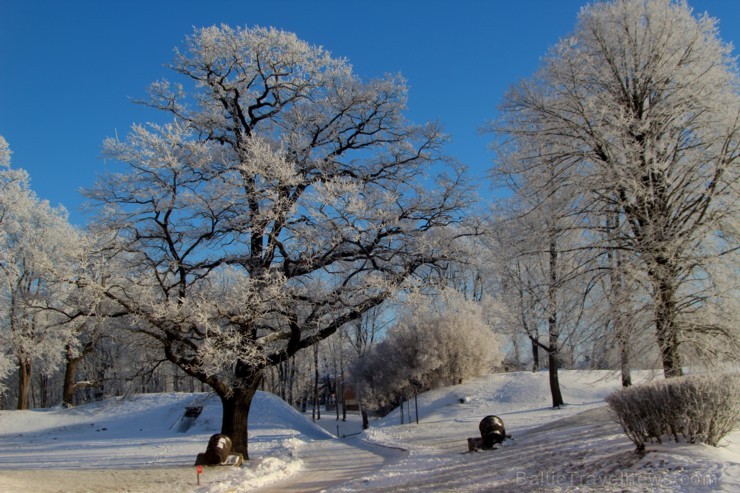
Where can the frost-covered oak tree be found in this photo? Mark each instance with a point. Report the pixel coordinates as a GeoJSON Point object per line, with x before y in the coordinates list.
{"type": "Point", "coordinates": [642, 99]}
{"type": "Point", "coordinates": [38, 257]}
{"type": "Point", "coordinates": [7, 177]}
{"type": "Point", "coordinates": [285, 198]}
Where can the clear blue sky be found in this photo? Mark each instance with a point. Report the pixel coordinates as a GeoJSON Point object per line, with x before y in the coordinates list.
{"type": "Point", "coordinates": [69, 69]}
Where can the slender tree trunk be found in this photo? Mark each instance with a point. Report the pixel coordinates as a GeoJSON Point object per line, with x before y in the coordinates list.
{"type": "Point", "coordinates": [622, 332]}
{"type": "Point", "coordinates": [291, 380]}
{"type": "Point", "coordinates": [336, 364]}
{"type": "Point", "coordinates": [552, 362]}
{"type": "Point", "coordinates": [24, 382]}
{"type": "Point", "coordinates": [336, 398]}
{"type": "Point", "coordinates": [552, 323]}
{"type": "Point", "coordinates": [530, 331]}
{"type": "Point", "coordinates": [316, 410]}
{"type": "Point", "coordinates": [236, 410]}
{"type": "Point", "coordinates": [617, 300]}
{"type": "Point", "coordinates": [43, 391]}
{"type": "Point", "coordinates": [340, 391]}
{"type": "Point", "coordinates": [363, 410]}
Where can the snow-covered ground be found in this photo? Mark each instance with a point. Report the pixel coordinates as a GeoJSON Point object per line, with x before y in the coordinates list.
{"type": "Point", "coordinates": [137, 445]}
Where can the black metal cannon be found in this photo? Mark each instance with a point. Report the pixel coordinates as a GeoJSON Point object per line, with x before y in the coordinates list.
{"type": "Point", "coordinates": [219, 448]}
{"type": "Point", "coordinates": [217, 452]}
{"type": "Point", "coordinates": [492, 431]}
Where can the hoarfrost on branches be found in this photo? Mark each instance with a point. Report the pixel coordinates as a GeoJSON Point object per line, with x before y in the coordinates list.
{"type": "Point", "coordinates": [286, 198]}
{"type": "Point", "coordinates": [642, 102]}
{"type": "Point", "coordinates": [38, 260]}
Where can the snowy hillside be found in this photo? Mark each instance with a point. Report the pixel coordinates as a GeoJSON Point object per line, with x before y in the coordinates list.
{"type": "Point", "coordinates": [141, 432]}
{"type": "Point", "coordinates": [135, 445]}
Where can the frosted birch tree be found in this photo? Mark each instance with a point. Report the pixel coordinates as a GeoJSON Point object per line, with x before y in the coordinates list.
{"type": "Point", "coordinates": [540, 230]}
{"type": "Point", "coordinates": [285, 172]}
{"type": "Point", "coordinates": [643, 97]}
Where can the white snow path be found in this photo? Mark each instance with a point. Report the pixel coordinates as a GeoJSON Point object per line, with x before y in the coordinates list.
{"type": "Point", "coordinates": [143, 480]}
{"type": "Point", "coordinates": [331, 463]}
{"type": "Point", "coordinates": [438, 462]}
{"type": "Point", "coordinates": [585, 452]}
{"type": "Point", "coordinates": [325, 464]}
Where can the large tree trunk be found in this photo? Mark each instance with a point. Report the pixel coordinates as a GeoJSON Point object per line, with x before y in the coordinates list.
{"type": "Point", "coordinates": [667, 335]}
{"type": "Point", "coordinates": [70, 372]}
{"type": "Point", "coordinates": [24, 382]}
{"type": "Point", "coordinates": [665, 318]}
{"type": "Point", "coordinates": [236, 411]}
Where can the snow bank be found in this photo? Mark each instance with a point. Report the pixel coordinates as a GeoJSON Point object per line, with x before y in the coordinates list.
{"type": "Point", "coordinates": [133, 445]}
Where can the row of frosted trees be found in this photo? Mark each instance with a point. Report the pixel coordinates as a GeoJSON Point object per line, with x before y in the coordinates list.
{"type": "Point", "coordinates": [621, 152]}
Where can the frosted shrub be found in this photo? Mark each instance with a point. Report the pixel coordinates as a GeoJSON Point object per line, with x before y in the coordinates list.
{"type": "Point", "coordinates": [701, 409]}
{"type": "Point", "coordinates": [429, 347]}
